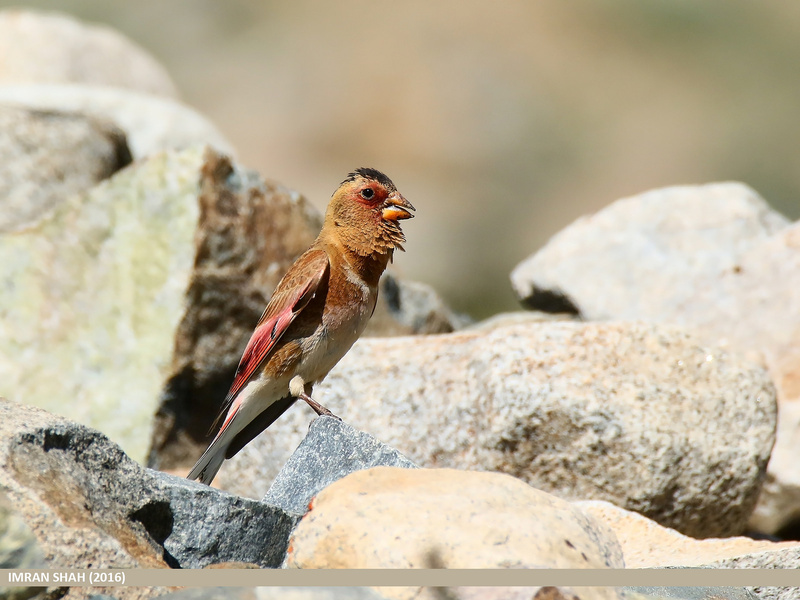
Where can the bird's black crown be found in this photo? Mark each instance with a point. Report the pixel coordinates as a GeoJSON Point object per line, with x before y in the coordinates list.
{"type": "Point", "coordinates": [374, 174]}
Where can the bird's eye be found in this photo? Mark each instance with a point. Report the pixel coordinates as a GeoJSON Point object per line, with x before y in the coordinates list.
{"type": "Point", "coordinates": [367, 193]}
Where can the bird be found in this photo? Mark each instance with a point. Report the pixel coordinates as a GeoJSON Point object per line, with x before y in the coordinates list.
{"type": "Point", "coordinates": [318, 310]}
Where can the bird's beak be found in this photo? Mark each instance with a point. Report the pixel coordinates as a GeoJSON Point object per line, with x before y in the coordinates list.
{"type": "Point", "coordinates": [396, 207]}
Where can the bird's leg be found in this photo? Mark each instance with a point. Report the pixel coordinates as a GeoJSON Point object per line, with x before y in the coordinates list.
{"type": "Point", "coordinates": [316, 406]}
{"type": "Point", "coordinates": [298, 388]}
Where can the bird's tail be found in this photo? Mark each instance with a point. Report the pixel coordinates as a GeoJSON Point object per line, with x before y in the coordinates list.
{"type": "Point", "coordinates": [208, 465]}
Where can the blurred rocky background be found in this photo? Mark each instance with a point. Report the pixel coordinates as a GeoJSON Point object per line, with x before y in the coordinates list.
{"type": "Point", "coordinates": [501, 123]}
{"type": "Point", "coordinates": [644, 413]}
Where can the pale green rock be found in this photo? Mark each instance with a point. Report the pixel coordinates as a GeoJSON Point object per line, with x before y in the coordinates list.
{"type": "Point", "coordinates": [91, 294]}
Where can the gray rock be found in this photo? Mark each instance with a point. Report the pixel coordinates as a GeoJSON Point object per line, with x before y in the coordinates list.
{"type": "Point", "coordinates": [47, 157]}
{"type": "Point", "coordinates": [714, 259]}
{"type": "Point", "coordinates": [151, 124]}
{"type": "Point", "coordinates": [90, 506]}
{"type": "Point", "coordinates": [209, 526]}
{"type": "Point", "coordinates": [50, 47]}
{"type": "Point", "coordinates": [584, 411]}
{"type": "Point", "coordinates": [330, 451]}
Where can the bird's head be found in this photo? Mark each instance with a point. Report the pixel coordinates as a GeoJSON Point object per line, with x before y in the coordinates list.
{"type": "Point", "coordinates": [365, 213]}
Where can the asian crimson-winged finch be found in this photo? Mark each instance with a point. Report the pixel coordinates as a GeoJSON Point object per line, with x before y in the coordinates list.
{"type": "Point", "coordinates": [317, 312]}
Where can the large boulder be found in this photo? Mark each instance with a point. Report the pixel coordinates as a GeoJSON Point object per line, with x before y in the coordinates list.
{"type": "Point", "coordinates": [714, 259]}
{"type": "Point", "coordinates": [93, 292]}
{"type": "Point", "coordinates": [584, 411]}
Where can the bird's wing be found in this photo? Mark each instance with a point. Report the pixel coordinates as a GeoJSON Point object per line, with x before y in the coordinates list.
{"type": "Point", "coordinates": [293, 293]}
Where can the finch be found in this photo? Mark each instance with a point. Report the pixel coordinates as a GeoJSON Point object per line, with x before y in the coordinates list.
{"type": "Point", "coordinates": [318, 310]}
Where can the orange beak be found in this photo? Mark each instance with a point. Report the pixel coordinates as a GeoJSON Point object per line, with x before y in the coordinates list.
{"type": "Point", "coordinates": [396, 208]}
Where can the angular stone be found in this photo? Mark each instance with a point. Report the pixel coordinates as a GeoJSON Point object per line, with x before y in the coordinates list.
{"type": "Point", "coordinates": [47, 157]}
{"type": "Point", "coordinates": [388, 517]}
{"type": "Point", "coordinates": [51, 47]}
{"type": "Point", "coordinates": [584, 411]}
{"type": "Point", "coordinates": [92, 293]}
{"type": "Point", "coordinates": [152, 124]}
{"type": "Point", "coordinates": [714, 259]}
{"type": "Point", "coordinates": [90, 506]}
{"type": "Point", "coordinates": [330, 451]}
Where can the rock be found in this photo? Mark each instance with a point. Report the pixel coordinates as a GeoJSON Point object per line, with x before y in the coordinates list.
{"type": "Point", "coordinates": [47, 157]}
{"type": "Point", "coordinates": [714, 259]}
{"type": "Point", "coordinates": [249, 234]}
{"type": "Point", "coordinates": [604, 265]}
{"type": "Point", "coordinates": [647, 545]}
{"type": "Point", "coordinates": [584, 411]}
{"type": "Point", "coordinates": [388, 517]}
{"type": "Point", "coordinates": [330, 451]}
{"type": "Point", "coordinates": [90, 506]}
{"type": "Point", "coordinates": [151, 124]}
{"type": "Point", "coordinates": [51, 47]}
{"type": "Point", "coordinates": [92, 293]}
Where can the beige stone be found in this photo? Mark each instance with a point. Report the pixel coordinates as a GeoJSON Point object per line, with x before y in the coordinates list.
{"type": "Point", "coordinates": [646, 544]}
{"type": "Point", "coordinates": [388, 517]}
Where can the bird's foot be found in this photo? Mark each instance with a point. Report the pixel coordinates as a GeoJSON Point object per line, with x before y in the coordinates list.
{"type": "Point", "coordinates": [317, 407]}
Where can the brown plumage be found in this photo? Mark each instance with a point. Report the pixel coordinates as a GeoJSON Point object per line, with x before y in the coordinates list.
{"type": "Point", "coordinates": [316, 313]}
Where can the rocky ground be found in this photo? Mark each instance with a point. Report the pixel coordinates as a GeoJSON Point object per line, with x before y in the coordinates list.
{"type": "Point", "coordinates": [629, 420]}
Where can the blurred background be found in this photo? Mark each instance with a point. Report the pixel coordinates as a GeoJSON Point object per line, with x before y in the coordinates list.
{"type": "Point", "coordinates": [501, 122]}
